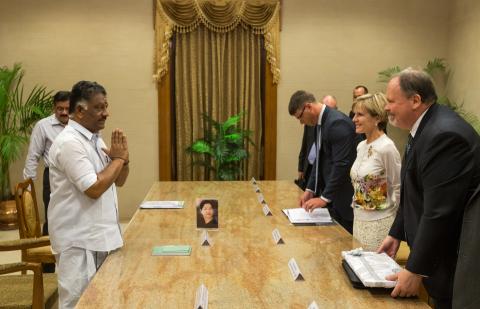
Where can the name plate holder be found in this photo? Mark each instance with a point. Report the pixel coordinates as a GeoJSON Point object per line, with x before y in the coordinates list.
{"type": "Point", "coordinates": [266, 210]}
{"type": "Point", "coordinates": [260, 198]}
{"type": "Point", "coordinates": [201, 298]}
{"type": "Point", "coordinates": [254, 182]}
{"type": "Point", "coordinates": [277, 238]}
{"type": "Point", "coordinates": [295, 270]}
{"type": "Point", "coordinates": [313, 305]}
{"type": "Point", "coordinates": [205, 239]}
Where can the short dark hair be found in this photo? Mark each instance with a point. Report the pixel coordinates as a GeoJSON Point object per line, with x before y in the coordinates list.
{"type": "Point", "coordinates": [361, 86]}
{"type": "Point", "coordinates": [298, 99]}
{"type": "Point", "coordinates": [84, 91]}
{"type": "Point", "coordinates": [61, 96]}
{"type": "Point", "coordinates": [204, 202]}
{"type": "Point", "coordinates": [414, 82]}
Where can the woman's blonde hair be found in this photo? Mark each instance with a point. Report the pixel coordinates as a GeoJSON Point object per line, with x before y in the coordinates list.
{"type": "Point", "coordinates": [374, 104]}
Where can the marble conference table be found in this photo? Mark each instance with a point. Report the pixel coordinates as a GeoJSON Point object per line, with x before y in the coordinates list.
{"type": "Point", "coordinates": [244, 268]}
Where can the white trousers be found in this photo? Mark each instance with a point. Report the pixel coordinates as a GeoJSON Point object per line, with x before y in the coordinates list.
{"type": "Point", "coordinates": [75, 268]}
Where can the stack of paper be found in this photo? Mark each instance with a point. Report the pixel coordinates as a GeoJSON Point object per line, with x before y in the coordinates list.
{"type": "Point", "coordinates": [372, 268]}
{"type": "Point", "coordinates": [300, 215]}
{"type": "Point", "coordinates": [172, 250]}
{"type": "Point", "coordinates": [161, 204]}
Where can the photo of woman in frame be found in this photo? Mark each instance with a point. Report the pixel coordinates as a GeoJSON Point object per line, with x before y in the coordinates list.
{"type": "Point", "coordinates": [207, 214]}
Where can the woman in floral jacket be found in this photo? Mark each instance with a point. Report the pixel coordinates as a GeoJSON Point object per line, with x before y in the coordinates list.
{"type": "Point", "coordinates": [375, 173]}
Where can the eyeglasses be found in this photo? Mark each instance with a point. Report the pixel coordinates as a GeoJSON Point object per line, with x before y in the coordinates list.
{"type": "Point", "coordinates": [301, 113]}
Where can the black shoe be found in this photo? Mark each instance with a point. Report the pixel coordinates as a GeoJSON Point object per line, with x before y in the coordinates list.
{"type": "Point", "coordinates": [48, 268]}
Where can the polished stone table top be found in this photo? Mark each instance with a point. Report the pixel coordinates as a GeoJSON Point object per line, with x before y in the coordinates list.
{"type": "Point", "coordinates": [243, 268]}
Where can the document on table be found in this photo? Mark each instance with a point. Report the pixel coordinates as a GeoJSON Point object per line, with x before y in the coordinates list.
{"type": "Point", "coordinates": [300, 215]}
{"type": "Point", "coordinates": [371, 267]}
{"type": "Point", "coordinates": [162, 204]}
{"type": "Point", "coordinates": [172, 250]}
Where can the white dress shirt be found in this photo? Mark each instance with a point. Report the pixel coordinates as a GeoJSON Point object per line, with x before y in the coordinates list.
{"type": "Point", "coordinates": [43, 134]}
{"type": "Point", "coordinates": [74, 219]}
{"type": "Point", "coordinates": [415, 126]}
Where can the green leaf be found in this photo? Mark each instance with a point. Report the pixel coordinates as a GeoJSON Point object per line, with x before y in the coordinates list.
{"type": "Point", "coordinates": [231, 121]}
{"type": "Point", "coordinates": [18, 114]}
{"type": "Point", "coordinates": [233, 138]}
{"type": "Point", "coordinates": [200, 146]}
{"type": "Point", "coordinates": [437, 64]}
{"type": "Point", "coordinates": [385, 75]}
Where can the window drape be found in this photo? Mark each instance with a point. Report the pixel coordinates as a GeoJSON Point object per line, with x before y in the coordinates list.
{"type": "Point", "coordinates": [182, 16]}
{"type": "Point", "coordinates": [218, 70]}
{"type": "Point", "coordinates": [217, 74]}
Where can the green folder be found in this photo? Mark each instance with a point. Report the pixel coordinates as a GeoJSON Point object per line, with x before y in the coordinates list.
{"type": "Point", "coordinates": [172, 250]}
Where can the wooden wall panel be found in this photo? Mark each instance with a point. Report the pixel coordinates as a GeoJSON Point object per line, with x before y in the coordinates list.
{"type": "Point", "coordinates": [270, 154]}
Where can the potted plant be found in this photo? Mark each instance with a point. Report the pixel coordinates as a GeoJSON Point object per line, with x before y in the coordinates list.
{"type": "Point", "coordinates": [18, 114]}
{"type": "Point", "coordinates": [222, 149]}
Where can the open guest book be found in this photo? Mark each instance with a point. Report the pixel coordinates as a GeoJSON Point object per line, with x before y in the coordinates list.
{"type": "Point", "coordinates": [301, 216]}
{"type": "Point", "coordinates": [370, 268]}
{"type": "Point", "coordinates": [162, 204]}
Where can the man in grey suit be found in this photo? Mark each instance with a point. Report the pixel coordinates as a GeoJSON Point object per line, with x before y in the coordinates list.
{"type": "Point", "coordinates": [329, 184]}
{"type": "Point", "coordinates": [440, 171]}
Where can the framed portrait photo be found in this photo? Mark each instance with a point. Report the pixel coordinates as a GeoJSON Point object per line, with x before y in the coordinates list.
{"type": "Point", "coordinates": [207, 213]}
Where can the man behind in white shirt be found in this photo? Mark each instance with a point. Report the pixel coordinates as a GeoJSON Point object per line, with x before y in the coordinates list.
{"type": "Point", "coordinates": [83, 211]}
{"type": "Point", "coordinates": [43, 134]}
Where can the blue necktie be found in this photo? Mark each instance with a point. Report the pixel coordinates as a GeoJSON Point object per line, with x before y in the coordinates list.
{"type": "Point", "coordinates": [408, 147]}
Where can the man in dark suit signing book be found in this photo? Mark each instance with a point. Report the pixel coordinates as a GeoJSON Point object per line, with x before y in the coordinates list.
{"type": "Point", "coordinates": [440, 171]}
{"type": "Point", "coordinates": [307, 154]}
{"type": "Point", "coordinates": [329, 184]}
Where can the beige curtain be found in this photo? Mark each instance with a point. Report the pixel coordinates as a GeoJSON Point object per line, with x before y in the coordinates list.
{"type": "Point", "coordinates": [217, 73]}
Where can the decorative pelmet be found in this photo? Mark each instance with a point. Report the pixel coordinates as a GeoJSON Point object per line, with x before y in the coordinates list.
{"type": "Point", "coordinates": [262, 17]}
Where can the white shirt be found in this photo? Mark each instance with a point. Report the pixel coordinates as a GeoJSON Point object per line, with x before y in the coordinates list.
{"type": "Point", "coordinates": [43, 135]}
{"type": "Point", "coordinates": [74, 219]}
{"type": "Point", "coordinates": [375, 178]}
{"type": "Point", "coordinates": [415, 126]}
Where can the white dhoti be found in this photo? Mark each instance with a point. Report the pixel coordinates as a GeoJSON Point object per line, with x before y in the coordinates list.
{"type": "Point", "coordinates": [75, 268]}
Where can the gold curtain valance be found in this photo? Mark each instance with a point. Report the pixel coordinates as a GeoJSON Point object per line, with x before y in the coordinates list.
{"type": "Point", "coordinates": [218, 16]}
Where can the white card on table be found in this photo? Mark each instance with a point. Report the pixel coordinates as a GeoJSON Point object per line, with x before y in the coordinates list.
{"type": "Point", "coordinates": [277, 237]}
{"type": "Point", "coordinates": [205, 239]}
{"type": "Point", "coordinates": [313, 305]}
{"type": "Point", "coordinates": [162, 204]}
{"type": "Point", "coordinates": [266, 210]}
{"type": "Point", "coordinates": [295, 270]}
{"type": "Point", "coordinates": [201, 298]}
{"type": "Point", "coordinates": [260, 198]}
{"type": "Point", "coordinates": [254, 181]}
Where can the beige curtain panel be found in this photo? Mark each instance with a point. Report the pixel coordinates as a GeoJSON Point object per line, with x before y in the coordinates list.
{"type": "Point", "coordinates": [184, 16]}
{"type": "Point", "coordinates": [217, 74]}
